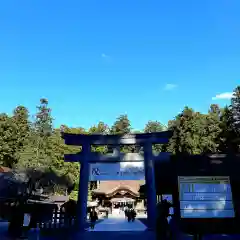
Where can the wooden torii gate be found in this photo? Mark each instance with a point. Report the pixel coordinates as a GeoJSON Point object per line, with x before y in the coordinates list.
{"type": "Point", "coordinates": [86, 157]}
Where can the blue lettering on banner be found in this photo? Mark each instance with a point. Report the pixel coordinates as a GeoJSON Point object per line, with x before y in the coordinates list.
{"type": "Point", "coordinates": [115, 172]}
{"type": "Point", "coordinates": [96, 171]}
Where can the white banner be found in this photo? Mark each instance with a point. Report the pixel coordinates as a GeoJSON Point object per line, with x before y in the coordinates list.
{"type": "Point", "coordinates": [117, 171]}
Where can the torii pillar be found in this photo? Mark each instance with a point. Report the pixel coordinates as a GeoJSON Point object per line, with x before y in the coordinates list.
{"type": "Point", "coordinates": [151, 187]}
{"type": "Point", "coordinates": [86, 157]}
{"type": "Point", "coordinates": [83, 188]}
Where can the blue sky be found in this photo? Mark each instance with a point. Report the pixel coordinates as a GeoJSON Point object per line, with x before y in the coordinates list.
{"type": "Point", "coordinates": [95, 60]}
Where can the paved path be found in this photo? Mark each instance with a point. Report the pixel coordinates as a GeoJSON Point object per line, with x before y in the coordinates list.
{"type": "Point", "coordinates": [119, 224]}
{"type": "Point", "coordinates": [114, 229]}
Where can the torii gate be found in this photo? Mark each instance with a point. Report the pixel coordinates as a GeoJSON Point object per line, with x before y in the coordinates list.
{"type": "Point", "coordinates": [86, 157]}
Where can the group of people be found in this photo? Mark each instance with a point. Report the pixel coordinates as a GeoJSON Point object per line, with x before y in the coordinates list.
{"type": "Point", "coordinates": [163, 227]}
{"type": "Point", "coordinates": [130, 214]}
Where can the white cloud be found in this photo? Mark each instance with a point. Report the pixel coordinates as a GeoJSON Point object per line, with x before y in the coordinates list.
{"type": "Point", "coordinates": [104, 55]}
{"type": "Point", "coordinates": [170, 86]}
{"type": "Point", "coordinates": [106, 58]}
{"type": "Point", "coordinates": [226, 95]}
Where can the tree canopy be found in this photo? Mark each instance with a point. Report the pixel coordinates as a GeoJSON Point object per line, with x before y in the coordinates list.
{"type": "Point", "coordinates": [36, 144]}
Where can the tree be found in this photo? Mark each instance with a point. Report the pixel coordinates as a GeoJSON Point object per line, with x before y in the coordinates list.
{"type": "Point", "coordinates": [37, 145]}
{"type": "Point", "coordinates": [40, 137]}
{"type": "Point", "coordinates": [23, 127]}
{"type": "Point", "coordinates": [226, 135]}
{"type": "Point", "coordinates": [235, 110]}
{"type": "Point", "coordinates": [121, 126]}
{"type": "Point", "coordinates": [43, 123]}
{"type": "Point", "coordinates": [178, 143]}
{"type": "Point", "coordinates": [212, 130]}
{"type": "Point", "coordinates": [56, 150]}
{"type": "Point", "coordinates": [195, 133]}
{"type": "Point", "coordinates": [100, 128]}
{"type": "Point", "coordinates": [8, 140]}
{"type": "Point", "coordinates": [214, 109]}
{"type": "Point", "coordinates": [234, 120]}
{"type": "Point", "coordinates": [151, 127]}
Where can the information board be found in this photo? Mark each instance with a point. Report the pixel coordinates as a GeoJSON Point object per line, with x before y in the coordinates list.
{"type": "Point", "coordinates": [205, 197]}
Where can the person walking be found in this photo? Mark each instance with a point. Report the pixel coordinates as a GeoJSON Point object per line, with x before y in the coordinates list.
{"type": "Point", "coordinates": [126, 211]}
{"type": "Point", "coordinates": [134, 214]}
{"type": "Point", "coordinates": [93, 218]}
{"type": "Point", "coordinates": [129, 215]}
{"type": "Point", "coordinates": [107, 212]}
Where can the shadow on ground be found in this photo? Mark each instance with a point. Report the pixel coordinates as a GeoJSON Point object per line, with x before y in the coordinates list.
{"type": "Point", "coordinates": [104, 235]}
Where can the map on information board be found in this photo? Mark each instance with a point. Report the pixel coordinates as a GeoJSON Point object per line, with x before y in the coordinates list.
{"type": "Point", "coordinates": [205, 197]}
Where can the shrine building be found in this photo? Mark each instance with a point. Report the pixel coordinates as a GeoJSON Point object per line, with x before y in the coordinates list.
{"type": "Point", "coordinates": [119, 194]}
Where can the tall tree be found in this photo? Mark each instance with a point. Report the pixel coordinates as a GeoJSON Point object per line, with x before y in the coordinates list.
{"type": "Point", "coordinates": [211, 130]}
{"type": "Point", "coordinates": [21, 119]}
{"type": "Point", "coordinates": [100, 128]}
{"type": "Point", "coordinates": [151, 127]}
{"type": "Point", "coordinates": [227, 135]}
{"type": "Point", "coordinates": [214, 109]}
{"type": "Point", "coordinates": [122, 125]}
{"type": "Point", "coordinates": [235, 110]}
{"type": "Point", "coordinates": [38, 153]}
{"type": "Point", "coordinates": [232, 119]}
{"type": "Point", "coordinates": [14, 136]}
{"type": "Point", "coordinates": [178, 143]}
{"type": "Point", "coordinates": [44, 120]}
{"type": "Point", "coordinates": [195, 133]}
{"type": "Point", "coordinates": [8, 140]}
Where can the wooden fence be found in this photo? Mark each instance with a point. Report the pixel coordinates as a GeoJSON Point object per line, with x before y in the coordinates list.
{"type": "Point", "coordinates": [60, 220]}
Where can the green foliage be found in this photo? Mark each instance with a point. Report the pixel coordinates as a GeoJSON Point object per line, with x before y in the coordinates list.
{"type": "Point", "coordinates": [26, 144]}
{"type": "Point", "coordinates": [74, 195]}
{"type": "Point", "coordinates": [101, 128]}
{"type": "Point", "coordinates": [8, 140]}
{"type": "Point", "coordinates": [233, 121]}
{"type": "Point", "coordinates": [195, 133]}
{"type": "Point", "coordinates": [235, 110]}
{"type": "Point", "coordinates": [121, 126]}
{"type": "Point", "coordinates": [154, 126]}
{"type": "Point", "coordinates": [43, 122]}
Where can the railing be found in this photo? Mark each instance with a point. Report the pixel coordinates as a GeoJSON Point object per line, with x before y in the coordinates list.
{"type": "Point", "coordinates": [60, 220]}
